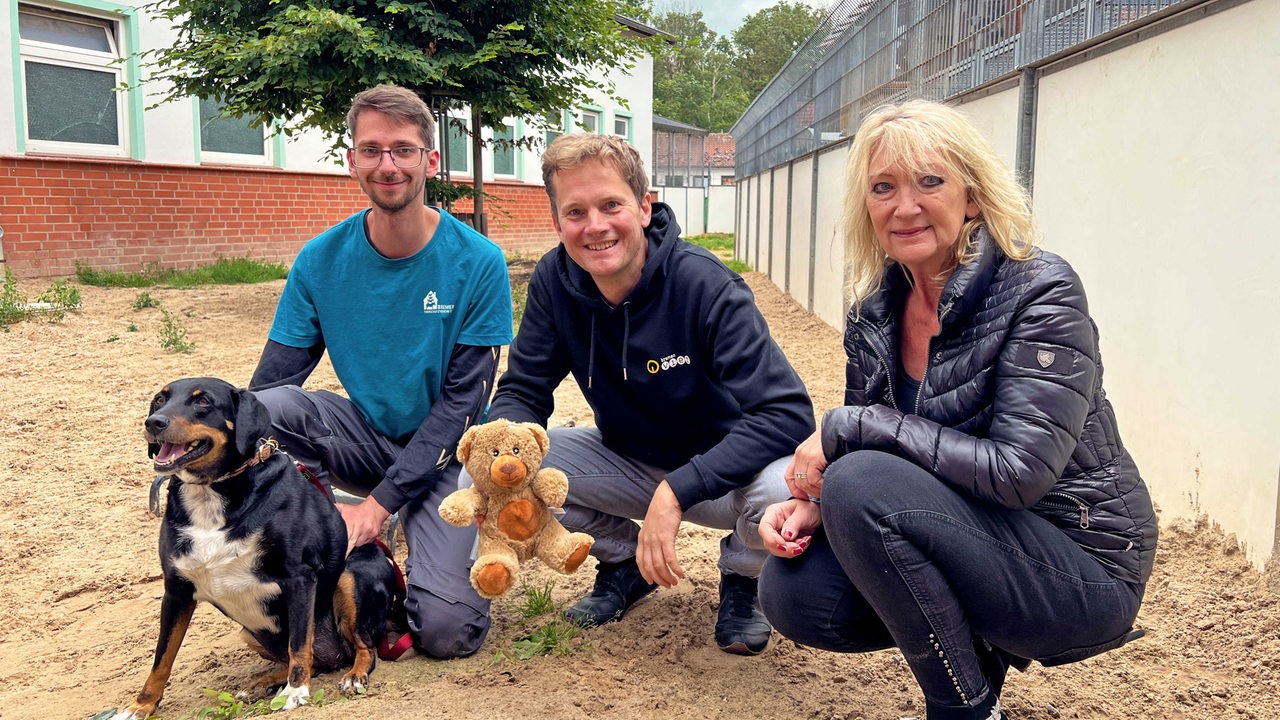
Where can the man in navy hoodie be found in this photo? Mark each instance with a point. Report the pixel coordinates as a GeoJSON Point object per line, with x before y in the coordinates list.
{"type": "Point", "coordinates": [697, 411]}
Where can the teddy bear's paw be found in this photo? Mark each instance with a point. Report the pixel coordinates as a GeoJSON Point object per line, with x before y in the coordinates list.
{"type": "Point", "coordinates": [574, 561]}
{"type": "Point", "coordinates": [519, 519]}
{"type": "Point", "coordinates": [491, 580]}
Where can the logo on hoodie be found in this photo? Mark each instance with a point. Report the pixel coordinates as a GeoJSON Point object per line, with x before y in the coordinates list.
{"type": "Point", "coordinates": [668, 362]}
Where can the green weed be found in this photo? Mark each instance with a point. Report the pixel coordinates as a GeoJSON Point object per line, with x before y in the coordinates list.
{"type": "Point", "coordinates": [144, 300]}
{"type": "Point", "coordinates": [228, 707]}
{"type": "Point", "coordinates": [53, 304]}
{"type": "Point", "coordinates": [173, 334]}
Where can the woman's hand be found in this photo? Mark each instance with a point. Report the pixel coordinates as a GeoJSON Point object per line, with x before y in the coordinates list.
{"type": "Point", "coordinates": [787, 527]}
{"type": "Point", "coordinates": [804, 474]}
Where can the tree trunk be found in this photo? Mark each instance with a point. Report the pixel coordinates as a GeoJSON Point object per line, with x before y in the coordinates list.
{"type": "Point", "coordinates": [481, 221]}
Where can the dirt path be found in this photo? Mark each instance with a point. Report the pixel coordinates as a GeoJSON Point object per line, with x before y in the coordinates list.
{"type": "Point", "coordinates": [79, 580]}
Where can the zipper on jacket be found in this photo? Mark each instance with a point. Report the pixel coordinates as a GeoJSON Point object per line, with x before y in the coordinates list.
{"type": "Point", "coordinates": [888, 372]}
{"type": "Point", "coordinates": [1068, 502]}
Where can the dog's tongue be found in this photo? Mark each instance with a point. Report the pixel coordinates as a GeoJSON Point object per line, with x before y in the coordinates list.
{"type": "Point", "coordinates": [169, 452]}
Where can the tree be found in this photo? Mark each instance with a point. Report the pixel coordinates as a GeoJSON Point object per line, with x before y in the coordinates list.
{"type": "Point", "coordinates": [767, 39]}
{"type": "Point", "coordinates": [695, 81]}
{"type": "Point", "coordinates": [302, 63]}
{"type": "Point", "coordinates": [709, 81]}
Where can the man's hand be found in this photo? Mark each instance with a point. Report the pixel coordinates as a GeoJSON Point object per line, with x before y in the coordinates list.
{"type": "Point", "coordinates": [656, 552]}
{"type": "Point", "coordinates": [364, 521]}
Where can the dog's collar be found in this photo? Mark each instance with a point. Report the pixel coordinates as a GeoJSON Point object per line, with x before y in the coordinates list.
{"type": "Point", "coordinates": [266, 446]}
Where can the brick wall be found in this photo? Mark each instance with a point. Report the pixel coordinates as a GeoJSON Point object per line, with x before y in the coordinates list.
{"type": "Point", "coordinates": [122, 215]}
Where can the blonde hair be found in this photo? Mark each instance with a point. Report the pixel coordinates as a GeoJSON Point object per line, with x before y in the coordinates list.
{"type": "Point", "coordinates": [908, 133]}
{"type": "Point", "coordinates": [395, 102]}
{"type": "Point", "coordinates": [573, 149]}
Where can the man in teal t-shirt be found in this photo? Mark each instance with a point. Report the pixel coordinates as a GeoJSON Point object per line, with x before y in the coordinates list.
{"type": "Point", "coordinates": [412, 307]}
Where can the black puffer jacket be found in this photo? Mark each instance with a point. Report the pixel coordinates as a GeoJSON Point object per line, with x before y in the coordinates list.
{"type": "Point", "coordinates": [1011, 408]}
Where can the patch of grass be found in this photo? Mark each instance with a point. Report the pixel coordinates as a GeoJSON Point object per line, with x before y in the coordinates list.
{"type": "Point", "coordinates": [223, 271]}
{"type": "Point", "coordinates": [52, 304]}
{"type": "Point", "coordinates": [558, 636]}
{"type": "Point", "coordinates": [537, 601]}
{"type": "Point", "coordinates": [173, 334]}
{"type": "Point", "coordinates": [715, 242]}
{"type": "Point", "coordinates": [722, 245]}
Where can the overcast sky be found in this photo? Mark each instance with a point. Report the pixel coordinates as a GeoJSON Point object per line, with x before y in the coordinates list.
{"type": "Point", "coordinates": [725, 16]}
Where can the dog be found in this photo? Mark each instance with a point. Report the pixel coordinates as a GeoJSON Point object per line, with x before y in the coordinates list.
{"type": "Point", "coordinates": [244, 531]}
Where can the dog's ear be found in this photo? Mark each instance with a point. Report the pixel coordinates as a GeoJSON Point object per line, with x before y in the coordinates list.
{"type": "Point", "coordinates": [252, 419]}
{"type": "Point", "coordinates": [464, 443]}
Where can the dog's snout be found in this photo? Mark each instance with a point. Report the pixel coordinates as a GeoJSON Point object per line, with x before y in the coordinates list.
{"type": "Point", "coordinates": [156, 424]}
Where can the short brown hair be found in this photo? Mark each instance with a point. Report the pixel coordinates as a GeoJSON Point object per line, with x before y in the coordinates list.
{"type": "Point", "coordinates": [396, 102]}
{"type": "Point", "coordinates": [573, 149]}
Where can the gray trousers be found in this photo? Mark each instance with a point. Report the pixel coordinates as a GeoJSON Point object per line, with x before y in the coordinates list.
{"type": "Point", "coordinates": [325, 432]}
{"type": "Point", "coordinates": [609, 492]}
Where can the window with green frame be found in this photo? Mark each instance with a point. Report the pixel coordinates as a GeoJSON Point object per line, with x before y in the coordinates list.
{"type": "Point", "coordinates": [71, 66]}
{"type": "Point", "coordinates": [459, 147]}
{"type": "Point", "coordinates": [223, 134]}
{"type": "Point", "coordinates": [504, 154]}
{"type": "Point", "coordinates": [555, 126]}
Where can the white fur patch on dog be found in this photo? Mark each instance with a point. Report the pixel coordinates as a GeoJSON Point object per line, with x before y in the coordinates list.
{"type": "Point", "coordinates": [222, 569]}
{"type": "Point", "coordinates": [297, 696]}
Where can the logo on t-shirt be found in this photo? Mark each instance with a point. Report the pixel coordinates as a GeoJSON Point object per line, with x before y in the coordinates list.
{"type": "Point", "coordinates": [431, 305]}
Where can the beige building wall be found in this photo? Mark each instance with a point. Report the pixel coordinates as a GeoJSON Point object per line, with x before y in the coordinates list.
{"type": "Point", "coordinates": [1157, 173]}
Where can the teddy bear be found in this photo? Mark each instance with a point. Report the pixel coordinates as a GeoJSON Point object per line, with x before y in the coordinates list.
{"type": "Point", "coordinates": [512, 495]}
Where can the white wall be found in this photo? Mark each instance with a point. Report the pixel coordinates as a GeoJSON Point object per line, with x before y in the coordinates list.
{"type": "Point", "coordinates": [1163, 195]}
{"type": "Point", "coordinates": [1156, 173]}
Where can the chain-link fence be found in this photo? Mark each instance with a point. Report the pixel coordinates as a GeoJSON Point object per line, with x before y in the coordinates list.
{"type": "Point", "coordinates": [869, 52]}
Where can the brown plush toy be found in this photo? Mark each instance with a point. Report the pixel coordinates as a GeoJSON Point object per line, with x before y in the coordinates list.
{"type": "Point", "coordinates": [513, 496]}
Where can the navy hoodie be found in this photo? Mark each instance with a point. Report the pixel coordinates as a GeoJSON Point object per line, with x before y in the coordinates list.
{"type": "Point", "coordinates": [682, 375]}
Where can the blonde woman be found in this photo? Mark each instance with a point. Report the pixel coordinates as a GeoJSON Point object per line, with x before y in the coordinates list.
{"type": "Point", "coordinates": [971, 503]}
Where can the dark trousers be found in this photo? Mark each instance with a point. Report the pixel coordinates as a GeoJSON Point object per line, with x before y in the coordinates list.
{"type": "Point", "coordinates": [903, 560]}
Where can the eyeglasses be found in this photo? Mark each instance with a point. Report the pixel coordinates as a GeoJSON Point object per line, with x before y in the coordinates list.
{"type": "Point", "coordinates": [367, 156]}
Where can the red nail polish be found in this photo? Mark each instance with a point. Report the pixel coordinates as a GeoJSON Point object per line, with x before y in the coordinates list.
{"type": "Point", "coordinates": [797, 551]}
{"type": "Point", "coordinates": [787, 534]}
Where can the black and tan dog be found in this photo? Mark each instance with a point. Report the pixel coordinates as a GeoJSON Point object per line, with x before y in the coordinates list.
{"type": "Point", "coordinates": [246, 532]}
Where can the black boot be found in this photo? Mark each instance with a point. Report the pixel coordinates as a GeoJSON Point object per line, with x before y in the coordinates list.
{"type": "Point", "coordinates": [618, 587]}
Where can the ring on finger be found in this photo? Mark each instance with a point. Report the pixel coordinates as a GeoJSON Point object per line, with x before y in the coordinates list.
{"type": "Point", "coordinates": [802, 475]}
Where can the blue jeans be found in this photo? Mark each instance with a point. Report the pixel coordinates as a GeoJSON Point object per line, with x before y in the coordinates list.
{"type": "Point", "coordinates": [902, 559]}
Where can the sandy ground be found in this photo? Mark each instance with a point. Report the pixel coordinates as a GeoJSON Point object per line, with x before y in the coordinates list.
{"type": "Point", "coordinates": [80, 583]}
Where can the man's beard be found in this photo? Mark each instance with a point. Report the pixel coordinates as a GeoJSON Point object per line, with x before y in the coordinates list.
{"type": "Point", "coordinates": [400, 202]}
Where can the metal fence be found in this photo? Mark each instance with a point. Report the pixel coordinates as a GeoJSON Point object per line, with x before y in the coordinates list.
{"type": "Point", "coordinates": [869, 52]}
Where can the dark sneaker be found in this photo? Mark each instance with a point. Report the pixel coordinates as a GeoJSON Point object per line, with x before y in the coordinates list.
{"type": "Point", "coordinates": [741, 628]}
{"type": "Point", "coordinates": [618, 587]}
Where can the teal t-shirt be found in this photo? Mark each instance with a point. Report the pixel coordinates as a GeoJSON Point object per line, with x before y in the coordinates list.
{"type": "Point", "coordinates": [390, 326]}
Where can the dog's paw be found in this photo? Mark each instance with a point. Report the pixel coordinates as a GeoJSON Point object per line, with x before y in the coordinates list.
{"type": "Point", "coordinates": [294, 696]}
{"type": "Point", "coordinates": [353, 683]}
{"type": "Point", "coordinates": [133, 712]}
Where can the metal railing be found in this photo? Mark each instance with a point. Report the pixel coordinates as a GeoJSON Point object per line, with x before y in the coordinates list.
{"type": "Point", "coordinates": [866, 53]}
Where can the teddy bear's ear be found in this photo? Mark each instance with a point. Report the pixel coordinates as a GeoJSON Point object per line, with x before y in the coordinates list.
{"type": "Point", "coordinates": [464, 443]}
{"type": "Point", "coordinates": [540, 435]}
